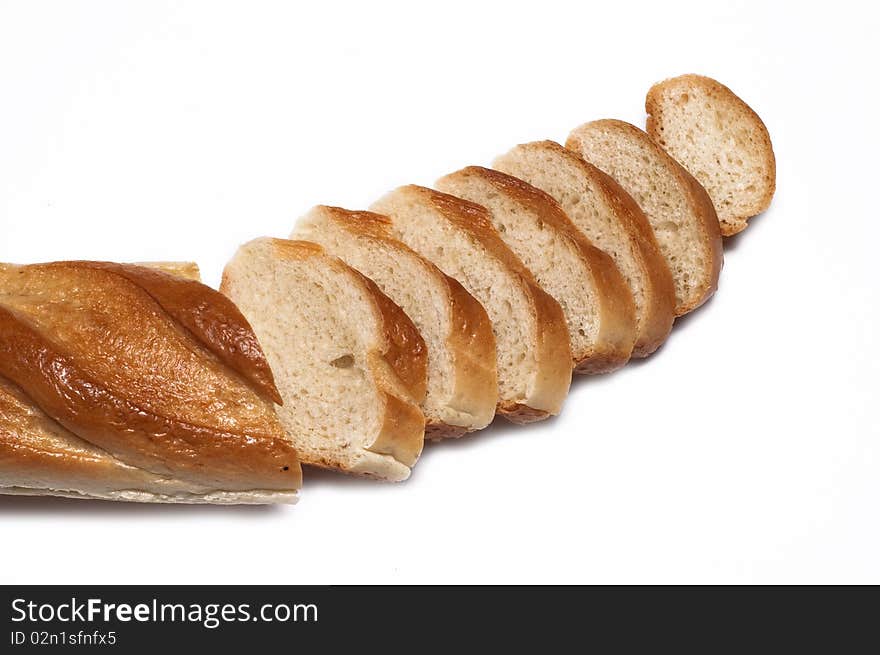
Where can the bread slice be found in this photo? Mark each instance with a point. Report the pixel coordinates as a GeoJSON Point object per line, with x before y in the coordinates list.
{"type": "Point", "coordinates": [720, 140]}
{"type": "Point", "coordinates": [677, 206]}
{"type": "Point", "coordinates": [596, 300]}
{"type": "Point", "coordinates": [121, 382]}
{"type": "Point", "coordinates": [462, 386]}
{"type": "Point", "coordinates": [533, 353]}
{"type": "Point", "coordinates": [612, 221]}
{"type": "Point", "coordinates": [350, 365]}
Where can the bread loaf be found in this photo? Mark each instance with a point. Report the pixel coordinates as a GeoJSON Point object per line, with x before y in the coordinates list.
{"type": "Point", "coordinates": [127, 383]}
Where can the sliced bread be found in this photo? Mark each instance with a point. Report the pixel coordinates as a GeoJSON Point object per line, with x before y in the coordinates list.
{"type": "Point", "coordinates": [677, 206]}
{"type": "Point", "coordinates": [720, 140]}
{"type": "Point", "coordinates": [349, 364]}
{"type": "Point", "coordinates": [462, 387]}
{"type": "Point", "coordinates": [612, 221]}
{"type": "Point", "coordinates": [533, 353]}
{"type": "Point", "coordinates": [594, 296]}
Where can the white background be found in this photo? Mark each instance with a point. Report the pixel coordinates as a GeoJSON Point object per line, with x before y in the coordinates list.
{"type": "Point", "coordinates": [744, 451]}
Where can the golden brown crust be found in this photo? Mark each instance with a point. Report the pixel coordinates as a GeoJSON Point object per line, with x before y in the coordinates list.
{"type": "Point", "coordinates": [113, 420]}
{"type": "Point", "coordinates": [554, 353]}
{"type": "Point", "coordinates": [406, 353]}
{"type": "Point", "coordinates": [730, 225]}
{"type": "Point", "coordinates": [402, 434]}
{"type": "Point", "coordinates": [618, 326]}
{"type": "Point", "coordinates": [470, 341]}
{"type": "Point", "coordinates": [710, 228]}
{"type": "Point", "coordinates": [211, 318]}
{"type": "Point", "coordinates": [399, 371]}
{"type": "Point", "coordinates": [40, 457]}
{"type": "Point", "coordinates": [188, 270]}
{"type": "Point", "coordinates": [711, 235]}
{"type": "Point", "coordinates": [616, 316]}
{"type": "Point", "coordinates": [403, 430]}
{"type": "Point", "coordinates": [439, 431]}
{"type": "Point", "coordinates": [553, 375]}
{"type": "Point", "coordinates": [295, 249]}
{"type": "Point", "coordinates": [521, 414]}
{"type": "Point", "coordinates": [661, 300]}
{"type": "Point", "coordinates": [98, 354]}
{"type": "Point", "coordinates": [37, 452]}
{"type": "Point", "coordinates": [370, 224]}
